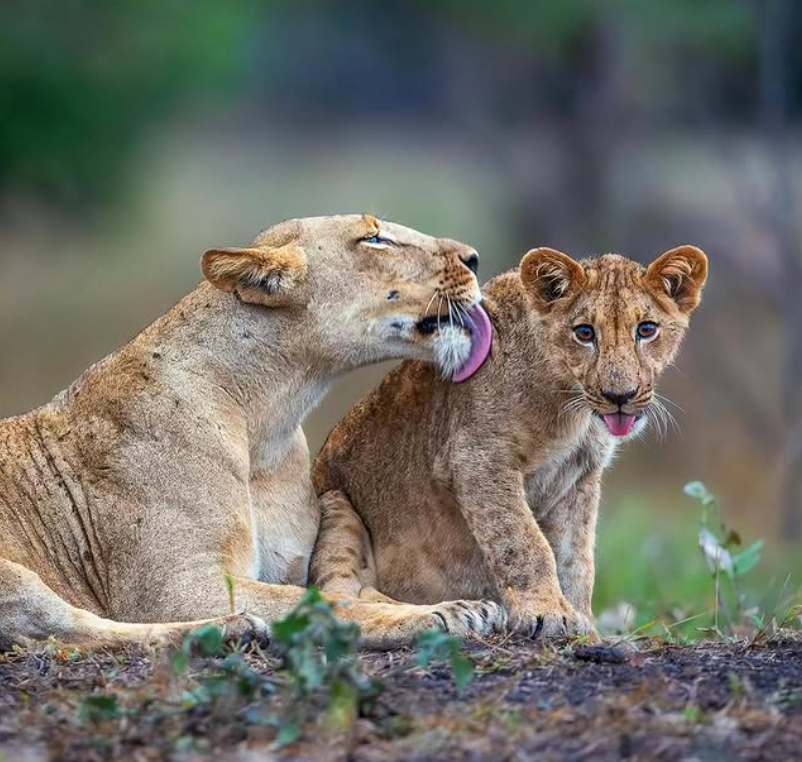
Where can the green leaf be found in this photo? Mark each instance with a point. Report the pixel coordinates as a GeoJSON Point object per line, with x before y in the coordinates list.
{"type": "Point", "coordinates": [344, 707]}
{"type": "Point", "coordinates": [285, 629]}
{"type": "Point", "coordinates": [436, 644]}
{"type": "Point", "coordinates": [430, 645]}
{"type": "Point", "coordinates": [180, 662]}
{"type": "Point", "coordinates": [185, 744]}
{"type": "Point", "coordinates": [463, 670]}
{"type": "Point", "coordinates": [99, 708]}
{"type": "Point", "coordinates": [698, 491]}
{"type": "Point", "coordinates": [210, 639]}
{"type": "Point", "coordinates": [289, 732]}
{"type": "Point", "coordinates": [747, 559]}
{"type": "Point", "coordinates": [200, 695]}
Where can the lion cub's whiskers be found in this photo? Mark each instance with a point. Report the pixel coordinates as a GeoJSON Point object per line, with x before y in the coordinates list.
{"type": "Point", "coordinates": [667, 416]}
{"type": "Point", "coordinates": [574, 405]}
{"type": "Point", "coordinates": [663, 398]}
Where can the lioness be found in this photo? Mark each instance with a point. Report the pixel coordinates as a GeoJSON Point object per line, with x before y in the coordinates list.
{"type": "Point", "coordinates": [432, 491]}
{"type": "Point", "coordinates": [180, 458]}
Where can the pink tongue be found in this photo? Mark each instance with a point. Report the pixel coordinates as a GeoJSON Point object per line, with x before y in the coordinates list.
{"type": "Point", "coordinates": [619, 424]}
{"type": "Point", "coordinates": [481, 341]}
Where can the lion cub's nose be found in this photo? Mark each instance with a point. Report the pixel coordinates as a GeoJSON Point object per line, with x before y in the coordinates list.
{"type": "Point", "coordinates": [471, 261]}
{"type": "Point", "coordinates": [619, 398]}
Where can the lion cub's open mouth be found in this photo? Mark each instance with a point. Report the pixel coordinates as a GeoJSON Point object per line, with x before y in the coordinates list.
{"type": "Point", "coordinates": [620, 424]}
{"type": "Point", "coordinates": [453, 356]}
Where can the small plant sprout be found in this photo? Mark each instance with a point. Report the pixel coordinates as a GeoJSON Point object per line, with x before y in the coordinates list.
{"type": "Point", "coordinates": [727, 560]}
{"type": "Point", "coordinates": [232, 595]}
{"type": "Point", "coordinates": [319, 654]}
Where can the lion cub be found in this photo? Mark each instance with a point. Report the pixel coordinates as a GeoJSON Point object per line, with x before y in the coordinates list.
{"type": "Point", "coordinates": [434, 491]}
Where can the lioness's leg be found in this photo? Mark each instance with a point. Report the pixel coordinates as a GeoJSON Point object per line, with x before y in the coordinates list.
{"type": "Point", "coordinates": [383, 625]}
{"type": "Point", "coordinates": [31, 612]}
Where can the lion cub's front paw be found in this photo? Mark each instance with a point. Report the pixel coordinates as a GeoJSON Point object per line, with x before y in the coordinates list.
{"type": "Point", "coordinates": [551, 616]}
{"type": "Point", "coordinates": [470, 617]}
{"type": "Point", "coordinates": [584, 624]}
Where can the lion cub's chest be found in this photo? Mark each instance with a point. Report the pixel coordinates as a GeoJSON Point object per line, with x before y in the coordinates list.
{"type": "Point", "coordinates": [551, 477]}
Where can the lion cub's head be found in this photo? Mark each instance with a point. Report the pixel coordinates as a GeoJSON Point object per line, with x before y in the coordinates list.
{"type": "Point", "coordinates": [613, 325]}
{"type": "Point", "coordinates": [363, 290]}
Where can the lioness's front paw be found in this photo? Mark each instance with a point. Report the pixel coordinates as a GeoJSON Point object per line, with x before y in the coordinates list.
{"type": "Point", "coordinates": [467, 617]}
{"type": "Point", "coordinates": [244, 629]}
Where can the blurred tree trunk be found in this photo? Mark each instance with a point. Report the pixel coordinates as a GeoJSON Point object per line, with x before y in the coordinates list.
{"type": "Point", "coordinates": [583, 137]}
{"type": "Point", "coordinates": [773, 103]}
{"type": "Point", "coordinates": [586, 136]}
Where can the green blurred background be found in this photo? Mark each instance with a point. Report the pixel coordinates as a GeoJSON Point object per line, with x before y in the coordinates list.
{"type": "Point", "coordinates": [134, 134]}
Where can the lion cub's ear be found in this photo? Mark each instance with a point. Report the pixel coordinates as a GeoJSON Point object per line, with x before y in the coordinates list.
{"type": "Point", "coordinates": [549, 276]}
{"type": "Point", "coordinates": [267, 275]}
{"type": "Point", "coordinates": [680, 274]}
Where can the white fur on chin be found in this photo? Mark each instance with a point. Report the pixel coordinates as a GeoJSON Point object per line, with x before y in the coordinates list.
{"type": "Point", "coordinates": [452, 347]}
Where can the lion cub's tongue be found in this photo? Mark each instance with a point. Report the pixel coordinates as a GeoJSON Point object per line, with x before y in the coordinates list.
{"type": "Point", "coordinates": [481, 341]}
{"type": "Point", "coordinates": [619, 424]}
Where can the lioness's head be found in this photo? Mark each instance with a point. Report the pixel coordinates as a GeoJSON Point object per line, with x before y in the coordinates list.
{"type": "Point", "coordinates": [613, 325]}
{"type": "Point", "coordinates": [367, 290]}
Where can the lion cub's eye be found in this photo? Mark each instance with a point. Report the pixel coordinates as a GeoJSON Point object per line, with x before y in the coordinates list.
{"type": "Point", "coordinates": [584, 333]}
{"type": "Point", "coordinates": [647, 329]}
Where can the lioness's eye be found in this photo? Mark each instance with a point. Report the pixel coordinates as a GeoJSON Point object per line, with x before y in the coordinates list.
{"type": "Point", "coordinates": [378, 240]}
{"type": "Point", "coordinates": [584, 333]}
{"type": "Point", "coordinates": [647, 329]}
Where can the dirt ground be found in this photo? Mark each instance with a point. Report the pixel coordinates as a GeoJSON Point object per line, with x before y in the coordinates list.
{"type": "Point", "coordinates": [710, 701]}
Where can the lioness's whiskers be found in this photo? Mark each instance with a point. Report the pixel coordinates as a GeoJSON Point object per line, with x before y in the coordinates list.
{"type": "Point", "coordinates": [459, 309]}
{"type": "Point", "coordinates": [429, 305]}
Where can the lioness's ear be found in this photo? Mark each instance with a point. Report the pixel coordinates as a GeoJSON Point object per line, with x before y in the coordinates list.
{"type": "Point", "coordinates": [549, 275]}
{"type": "Point", "coordinates": [679, 274]}
{"type": "Point", "coordinates": [258, 274]}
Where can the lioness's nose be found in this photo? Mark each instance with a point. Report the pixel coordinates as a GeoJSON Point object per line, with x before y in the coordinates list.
{"type": "Point", "coordinates": [618, 398]}
{"type": "Point", "coordinates": [471, 261]}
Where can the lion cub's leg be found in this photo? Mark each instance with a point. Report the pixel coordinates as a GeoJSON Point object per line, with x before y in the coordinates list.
{"type": "Point", "coordinates": [30, 612]}
{"type": "Point", "coordinates": [343, 567]}
{"type": "Point", "coordinates": [342, 562]}
{"type": "Point", "coordinates": [570, 528]}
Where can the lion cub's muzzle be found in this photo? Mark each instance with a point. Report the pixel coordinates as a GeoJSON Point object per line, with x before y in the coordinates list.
{"type": "Point", "coordinates": [621, 411]}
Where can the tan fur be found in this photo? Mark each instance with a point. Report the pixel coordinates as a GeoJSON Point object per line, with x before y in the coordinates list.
{"type": "Point", "coordinates": [180, 458]}
{"type": "Point", "coordinates": [490, 488]}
